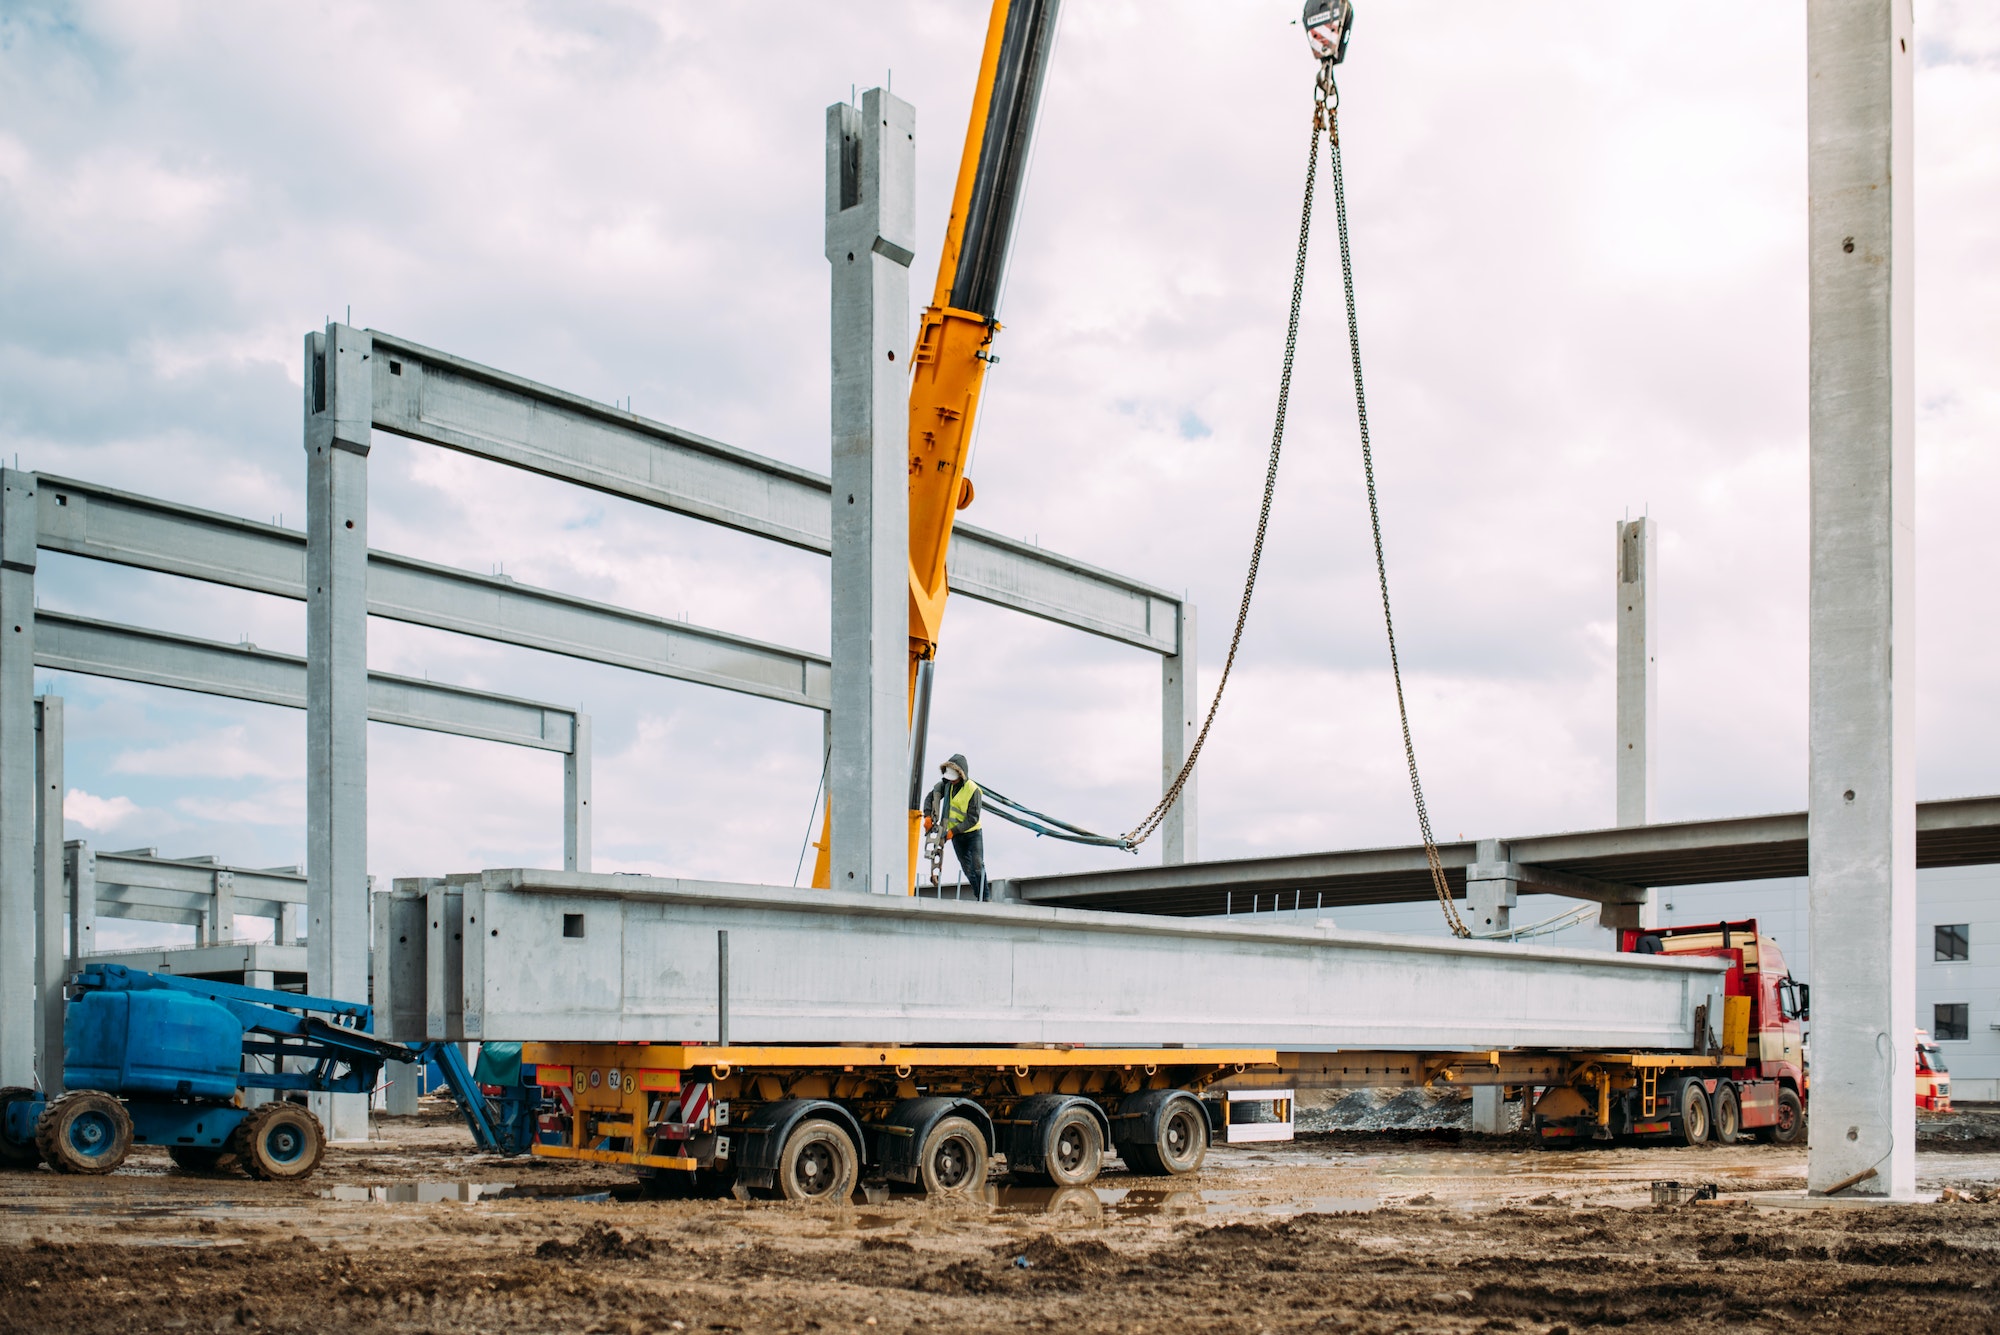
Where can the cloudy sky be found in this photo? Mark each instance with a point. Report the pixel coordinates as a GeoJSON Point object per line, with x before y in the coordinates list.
{"type": "Point", "coordinates": [1579, 238]}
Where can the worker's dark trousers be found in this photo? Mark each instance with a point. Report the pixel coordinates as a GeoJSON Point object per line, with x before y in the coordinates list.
{"type": "Point", "coordinates": [971, 849]}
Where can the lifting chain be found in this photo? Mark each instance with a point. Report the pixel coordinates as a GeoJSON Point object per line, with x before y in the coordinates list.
{"type": "Point", "coordinates": [1326, 104]}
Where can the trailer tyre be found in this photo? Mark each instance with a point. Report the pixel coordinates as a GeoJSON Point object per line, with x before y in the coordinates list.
{"type": "Point", "coordinates": [1072, 1148]}
{"type": "Point", "coordinates": [18, 1153]}
{"type": "Point", "coordinates": [1695, 1121]}
{"type": "Point", "coordinates": [84, 1131]}
{"type": "Point", "coordinates": [1179, 1141]}
{"type": "Point", "coordinates": [280, 1142]}
{"type": "Point", "coordinates": [1728, 1116]}
{"type": "Point", "coordinates": [818, 1163]}
{"type": "Point", "coordinates": [1791, 1127]}
{"type": "Point", "coordinates": [953, 1159]}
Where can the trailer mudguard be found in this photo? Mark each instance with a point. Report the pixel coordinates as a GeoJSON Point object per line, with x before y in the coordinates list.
{"type": "Point", "coordinates": [899, 1141]}
{"type": "Point", "coordinates": [757, 1141]}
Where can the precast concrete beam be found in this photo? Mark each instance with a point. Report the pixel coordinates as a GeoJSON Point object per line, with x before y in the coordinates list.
{"type": "Point", "coordinates": [68, 643]}
{"type": "Point", "coordinates": [564, 956]}
{"type": "Point", "coordinates": [870, 237]}
{"type": "Point", "coordinates": [1862, 653]}
{"type": "Point", "coordinates": [85, 519]}
{"type": "Point", "coordinates": [444, 400]}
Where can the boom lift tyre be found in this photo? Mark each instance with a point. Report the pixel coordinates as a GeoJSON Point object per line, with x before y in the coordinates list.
{"type": "Point", "coordinates": [280, 1142]}
{"type": "Point", "coordinates": [953, 1159]}
{"type": "Point", "coordinates": [818, 1163]}
{"type": "Point", "coordinates": [1728, 1115]}
{"type": "Point", "coordinates": [85, 1131]}
{"type": "Point", "coordinates": [21, 1153]}
{"type": "Point", "coordinates": [1695, 1120]}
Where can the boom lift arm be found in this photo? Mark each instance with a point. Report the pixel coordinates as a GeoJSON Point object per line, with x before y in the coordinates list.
{"type": "Point", "coordinates": [955, 340]}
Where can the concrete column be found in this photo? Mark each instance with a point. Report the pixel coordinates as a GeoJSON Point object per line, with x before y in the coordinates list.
{"type": "Point", "coordinates": [1490, 894]}
{"type": "Point", "coordinates": [291, 925]}
{"type": "Point", "coordinates": [81, 871]}
{"type": "Point", "coordinates": [1180, 719]}
{"type": "Point", "coordinates": [17, 777]}
{"type": "Point", "coordinates": [51, 953]}
{"type": "Point", "coordinates": [253, 1098]}
{"type": "Point", "coordinates": [870, 232]}
{"type": "Point", "coordinates": [1638, 696]}
{"type": "Point", "coordinates": [576, 798]}
{"type": "Point", "coordinates": [222, 908]}
{"type": "Point", "coordinates": [1861, 792]}
{"type": "Point", "coordinates": [339, 399]}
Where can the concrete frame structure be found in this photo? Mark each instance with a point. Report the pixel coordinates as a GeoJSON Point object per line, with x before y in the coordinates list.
{"type": "Point", "coordinates": [1862, 785]}
{"type": "Point", "coordinates": [871, 207]}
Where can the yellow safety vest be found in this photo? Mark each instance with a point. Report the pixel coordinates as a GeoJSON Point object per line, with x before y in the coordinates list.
{"type": "Point", "coordinates": [960, 802]}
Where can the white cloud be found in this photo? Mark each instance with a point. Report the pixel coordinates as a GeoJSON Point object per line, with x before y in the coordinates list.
{"type": "Point", "coordinates": [99, 814]}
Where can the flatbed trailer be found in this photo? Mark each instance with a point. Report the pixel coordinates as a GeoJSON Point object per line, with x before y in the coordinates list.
{"type": "Point", "coordinates": [806, 1122]}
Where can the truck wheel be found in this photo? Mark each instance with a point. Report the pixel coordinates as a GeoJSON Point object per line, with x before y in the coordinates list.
{"type": "Point", "coordinates": [818, 1164]}
{"type": "Point", "coordinates": [84, 1131]}
{"type": "Point", "coordinates": [953, 1162]}
{"type": "Point", "coordinates": [17, 1153]}
{"type": "Point", "coordinates": [1728, 1116]}
{"type": "Point", "coordinates": [280, 1142]}
{"type": "Point", "coordinates": [202, 1158]}
{"type": "Point", "coordinates": [1694, 1114]}
{"type": "Point", "coordinates": [1072, 1148]}
{"type": "Point", "coordinates": [1791, 1127]}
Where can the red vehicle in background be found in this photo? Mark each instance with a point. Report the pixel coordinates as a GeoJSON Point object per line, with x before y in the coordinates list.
{"type": "Point", "coordinates": [1933, 1076]}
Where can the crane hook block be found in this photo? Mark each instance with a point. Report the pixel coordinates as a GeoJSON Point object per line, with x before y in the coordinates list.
{"type": "Point", "coordinates": [1328, 25]}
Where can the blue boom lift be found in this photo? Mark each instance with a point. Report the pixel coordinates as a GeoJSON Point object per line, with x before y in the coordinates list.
{"type": "Point", "coordinates": [152, 1059]}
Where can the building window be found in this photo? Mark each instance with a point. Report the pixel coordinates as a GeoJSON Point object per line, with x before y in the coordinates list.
{"type": "Point", "coordinates": [1949, 1020]}
{"type": "Point", "coordinates": [1952, 942]}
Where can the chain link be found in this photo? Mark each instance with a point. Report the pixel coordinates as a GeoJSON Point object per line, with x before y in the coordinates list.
{"type": "Point", "coordinates": [1145, 828]}
{"type": "Point", "coordinates": [1327, 96]}
{"type": "Point", "coordinates": [1326, 104]}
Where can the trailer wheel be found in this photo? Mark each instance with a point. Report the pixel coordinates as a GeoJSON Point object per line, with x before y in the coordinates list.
{"type": "Point", "coordinates": [84, 1131]}
{"type": "Point", "coordinates": [1695, 1121]}
{"type": "Point", "coordinates": [818, 1163]}
{"type": "Point", "coordinates": [17, 1153]}
{"type": "Point", "coordinates": [280, 1142]}
{"type": "Point", "coordinates": [1791, 1127]}
{"type": "Point", "coordinates": [202, 1158]}
{"type": "Point", "coordinates": [1072, 1148]}
{"type": "Point", "coordinates": [1178, 1145]}
{"type": "Point", "coordinates": [1728, 1116]}
{"type": "Point", "coordinates": [953, 1159]}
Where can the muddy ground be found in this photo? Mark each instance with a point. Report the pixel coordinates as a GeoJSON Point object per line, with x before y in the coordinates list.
{"type": "Point", "coordinates": [1399, 1230]}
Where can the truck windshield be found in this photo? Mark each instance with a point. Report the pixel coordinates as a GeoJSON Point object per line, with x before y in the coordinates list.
{"type": "Point", "coordinates": [1930, 1059]}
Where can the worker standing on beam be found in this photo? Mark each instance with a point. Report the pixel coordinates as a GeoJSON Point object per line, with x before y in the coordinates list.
{"type": "Point", "coordinates": [956, 800]}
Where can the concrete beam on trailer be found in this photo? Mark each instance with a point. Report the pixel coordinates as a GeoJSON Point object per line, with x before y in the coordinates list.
{"type": "Point", "coordinates": [66, 643]}
{"type": "Point", "coordinates": [1862, 782]}
{"type": "Point", "coordinates": [444, 400]}
{"type": "Point", "coordinates": [1952, 832]}
{"type": "Point", "coordinates": [870, 237]}
{"type": "Point", "coordinates": [85, 519]}
{"type": "Point", "coordinates": [337, 440]}
{"type": "Point", "coordinates": [568, 957]}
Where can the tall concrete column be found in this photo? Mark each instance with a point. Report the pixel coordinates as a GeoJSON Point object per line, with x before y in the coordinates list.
{"type": "Point", "coordinates": [17, 777]}
{"type": "Point", "coordinates": [1180, 718]}
{"type": "Point", "coordinates": [1490, 893]}
{"type": "Point", "coordinates": [576, 798]}
{"type": "Point", "coordinates": [870, 230]}
{"type": "Point", "coordinates": [80, 866]}
{"type": "Point", "coordinates": [1638, 693]}
{"type": "Point", "coordinates": [339, 399]}
{"type": "Point", "coordinates": [1861, 792]}
{"type": "Point", "coordinates": [51, 950]}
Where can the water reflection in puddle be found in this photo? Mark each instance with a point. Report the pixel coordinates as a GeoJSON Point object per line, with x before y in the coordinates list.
{"type": "Point", "coordinates": [429, 1193]}
{"type": "Point", "coordinates": [1095, 1203]}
